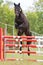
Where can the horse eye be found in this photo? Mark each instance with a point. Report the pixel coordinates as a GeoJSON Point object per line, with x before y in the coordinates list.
{"type": "Point", "coordinates": [20, 10]}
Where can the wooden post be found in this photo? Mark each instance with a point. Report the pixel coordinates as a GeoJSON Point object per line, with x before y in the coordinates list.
{"type": "Point", "coordinates": [1, 45]}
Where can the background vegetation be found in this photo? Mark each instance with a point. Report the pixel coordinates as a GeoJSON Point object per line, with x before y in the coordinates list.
{"type": "Point", "coordinates": [35, 17]}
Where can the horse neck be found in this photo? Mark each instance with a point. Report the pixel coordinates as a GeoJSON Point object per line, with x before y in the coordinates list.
{"type": "Point", "coordinates": [23, 16]}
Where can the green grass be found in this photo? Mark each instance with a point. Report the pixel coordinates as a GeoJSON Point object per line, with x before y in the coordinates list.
{"type": "Point", "coordinates": [24, 56]}
{"type": "Point", "coordinates": [23, 62]}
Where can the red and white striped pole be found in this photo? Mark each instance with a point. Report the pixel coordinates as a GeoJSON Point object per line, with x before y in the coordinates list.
{"type": "Point", "coordinates": [1, 45]}
{"type": "Point", "coordinates": [17, 59]}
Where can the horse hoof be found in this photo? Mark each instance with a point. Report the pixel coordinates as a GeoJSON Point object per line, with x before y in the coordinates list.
{"type": "Point", "coordinates": [28, 54]}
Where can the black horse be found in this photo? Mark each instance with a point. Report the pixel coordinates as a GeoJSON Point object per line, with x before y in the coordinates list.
{"type": "Point", "coordinates": [21, 23]}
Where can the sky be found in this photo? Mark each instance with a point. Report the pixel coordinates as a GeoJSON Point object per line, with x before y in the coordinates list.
{"type": "Point", "coordinates": [25, 4]}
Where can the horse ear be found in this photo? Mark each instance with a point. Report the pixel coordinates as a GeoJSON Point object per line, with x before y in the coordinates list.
{"type": "Point", "coordinates": [14, 4]}
{"type": "Point", "coordinates": [19, 4]}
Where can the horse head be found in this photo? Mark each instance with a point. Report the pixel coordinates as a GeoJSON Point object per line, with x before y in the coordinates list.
{"type": "Point", "coordinates": [18, 9]}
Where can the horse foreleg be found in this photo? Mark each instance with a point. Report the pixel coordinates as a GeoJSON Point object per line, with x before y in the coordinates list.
{"type": "Point", "coordinates": [19, 34]}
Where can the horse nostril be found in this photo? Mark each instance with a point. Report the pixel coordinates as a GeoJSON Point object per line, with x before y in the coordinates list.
{"type": "Point", "coordinates": [17, 14]}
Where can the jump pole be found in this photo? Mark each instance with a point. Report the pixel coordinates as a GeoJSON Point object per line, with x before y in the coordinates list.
{"type": "Point", "coordinates": [1, 45]}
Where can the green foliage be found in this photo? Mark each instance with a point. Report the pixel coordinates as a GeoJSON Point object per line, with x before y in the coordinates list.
{"type": "Point", "coordinates": [36, 21]}
{"type": "Point", "coordinates": [36, 18]}
{"type": "Point", "coordinates": [1, 1]}
{"type": "Point", "coordinates": [39, 5]}
{"type": "Point", "coordinates": [7, 15]}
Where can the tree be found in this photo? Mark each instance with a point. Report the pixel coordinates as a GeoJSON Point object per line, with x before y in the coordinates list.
{"type": "Point", "coordinates": [1, 2]}
{"type": "Point", "coordinates": [7, 16]}
{"type": "Point", "coordinates": [39, 11]}
{"type": "Point", "coordinates": [39, 5]}
{"type": "Point", "coordinates": [36, 18]}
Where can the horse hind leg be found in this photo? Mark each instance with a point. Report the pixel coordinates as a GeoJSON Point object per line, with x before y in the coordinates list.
{"type": "Point", "coordinates": [28, 43]}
